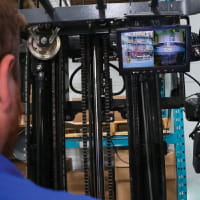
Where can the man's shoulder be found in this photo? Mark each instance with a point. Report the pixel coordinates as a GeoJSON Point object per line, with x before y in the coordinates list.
{"type": "Point", "coordinates": [14, 187]}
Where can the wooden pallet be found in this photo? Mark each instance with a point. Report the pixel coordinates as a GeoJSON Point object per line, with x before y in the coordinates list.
{"type": "Point", "coordinates": [73, 129]}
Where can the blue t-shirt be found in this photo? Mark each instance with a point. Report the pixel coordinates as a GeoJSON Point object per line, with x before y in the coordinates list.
{"type": "Point", "coordinates": [13, 186]}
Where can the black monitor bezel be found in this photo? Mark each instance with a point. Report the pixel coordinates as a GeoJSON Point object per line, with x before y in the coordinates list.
{"type": "Point", "coordinates": [165, 69]}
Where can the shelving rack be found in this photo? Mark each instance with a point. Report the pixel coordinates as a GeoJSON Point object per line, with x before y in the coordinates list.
{"type": "Point", "coordinates": [176, 138]}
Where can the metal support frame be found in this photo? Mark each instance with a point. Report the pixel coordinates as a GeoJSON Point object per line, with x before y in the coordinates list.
{"type": "Point", "coordinates": [100, 4]}
{"type": "Point", "coordinates": [90, 12]}
{"type": "Point", "coordinates": [177, 138]}
{"type": "Point", "coordinates": [41, 129]}
{"type": "Point", "coordinates": [98, 150]}
{"type": "Point", "coordinates": [59, 127]}
{"type": "Point", "coordinates": [92, 64]}
{"type": "Point", "coordinates": [48, 7]}
{"type": "Point", "coordinates": [47, 133]}
{"type": "Point", "coordinates": [190, 7]}
{"type": "Point", "coordinates": [81, 13]}
{"type": "Point", "coordinates": [180, 155]}
{"type": "Point", "coordinates": [146, 156]}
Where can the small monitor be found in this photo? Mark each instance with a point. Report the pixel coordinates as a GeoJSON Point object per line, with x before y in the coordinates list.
{"type": "Point", "coordinates": [161, 49]}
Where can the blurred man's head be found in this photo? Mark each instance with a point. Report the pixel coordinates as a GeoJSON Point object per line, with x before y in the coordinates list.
{"type": "Point", "coordinates": [10, 23]}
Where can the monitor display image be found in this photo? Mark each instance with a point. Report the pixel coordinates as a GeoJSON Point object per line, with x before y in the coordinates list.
{"type": "Point", "coordinates": [156, 48]}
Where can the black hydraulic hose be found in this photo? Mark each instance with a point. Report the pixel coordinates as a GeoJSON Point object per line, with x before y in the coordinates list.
{"type": "Point", "coordinates": [123, 88]}
{"type": "Point", "coordinates": [71, 80]}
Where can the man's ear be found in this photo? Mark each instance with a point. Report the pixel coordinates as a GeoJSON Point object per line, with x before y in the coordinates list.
{"type": "Point", "coordinates": [6, 80]}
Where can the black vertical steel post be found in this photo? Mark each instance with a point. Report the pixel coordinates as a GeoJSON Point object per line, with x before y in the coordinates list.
{"type": "Point", "coordinates": [99, 166]}
{"type": "Point", "coordinates": [154, 4]}
{"type": "Point", "coordinates": [90, 64]}
{"type": "Point", "coordinates": [42, 124]}
{"type": "Point", "coordinates": [146, 134]}
{"type": "Point", "coordinates": [153, 141]}
{"type": "Point", "coordinates": [134, 108]}
{"type": "Point", "coordinates": [39, 129]}
{"type": "Point", "coordinates": [157, 118]}
{"type": "Point", "coordinates": [58, 131]}
{"type": "Point", "coordinates": [147, 174]}
{"type": "Point", "coordinates": [60, 122]}
{"type": "Point", "coordinates": [101, 6]}
{"type": "Point", "coordinates": [60, 3]}
{"type": "Point", "coordinates": [65, 68]}
{"type": "Point", "coordinates": [27, 82]}
{"type": "Point", "coordinates": [38, 119]}
{"type": "Point", "coordinates": [38, 85]}
{"type": "Point", "coordinates": [20, 4]}
{"type": "Point", "coordinates": [182, 86]}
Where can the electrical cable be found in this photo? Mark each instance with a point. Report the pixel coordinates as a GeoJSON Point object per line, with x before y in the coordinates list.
{"type": "Point", "coordinates": [71, 80]}
{"type": "Point", "coordinates": [194, 79]}
{"type": "Point", "coordinates": [120, 157]}
{"type": "Point", "coordinates": [117, 154]}
{"type": "Point", "coordinates": [197, 128]}
{"type": "Point", "coordinates": [191, 95]}
{"type": "Point", "coordinates": [123, 88]}
{"type": "Point", "coordinates": [80, 92]}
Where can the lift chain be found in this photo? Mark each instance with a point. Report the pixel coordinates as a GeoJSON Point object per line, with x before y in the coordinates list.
{"type": "Point", "coordinates": [60, 136]}
{"type": "Point", "coordinates": [27, 115]}
{"type": "Point", "coordinates": [54, 132]}
{"type": "Point", "coordinates": [84, 42]}
{"type": "Point", "coordinates": [107, 106]}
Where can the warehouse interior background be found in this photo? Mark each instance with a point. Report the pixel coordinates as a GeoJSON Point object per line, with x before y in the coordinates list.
{"type": "Point", "coordinates": [193, 179]}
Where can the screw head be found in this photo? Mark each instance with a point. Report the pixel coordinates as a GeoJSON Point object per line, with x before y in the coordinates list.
{"type": "Point", "coordinates": [44, 40]}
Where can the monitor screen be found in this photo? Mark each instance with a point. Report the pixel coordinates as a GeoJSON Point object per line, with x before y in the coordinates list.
{"type": "Point", "coordinates": [161, 48]}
